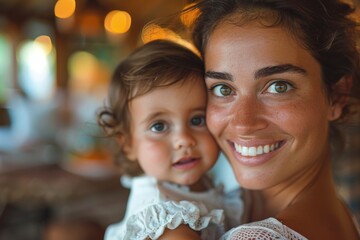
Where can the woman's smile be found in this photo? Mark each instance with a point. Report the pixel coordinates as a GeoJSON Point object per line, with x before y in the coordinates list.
{"type": "Point", "coordinates": [251, 154]}
{"type": "Point", "coordinates": [256, 150]}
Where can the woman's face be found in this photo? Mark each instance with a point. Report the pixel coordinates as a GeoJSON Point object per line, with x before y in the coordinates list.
{"type": "Point", "coordinates": [267, 106]}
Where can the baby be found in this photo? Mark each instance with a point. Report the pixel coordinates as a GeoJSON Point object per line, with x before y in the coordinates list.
{"type": "Point", "coordinates": [156, 111]}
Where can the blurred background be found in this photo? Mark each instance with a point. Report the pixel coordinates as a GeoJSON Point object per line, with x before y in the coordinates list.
{"type": "Point", "coordinates": [56, 59]}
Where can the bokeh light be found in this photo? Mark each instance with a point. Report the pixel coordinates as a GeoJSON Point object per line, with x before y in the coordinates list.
{"type": "Point", "coordinates": [5, 67]}
{"type": "Point", "coordinates": [45, 43]}
{"type": "Point", "coordinates": [64, 8]}
{"type": "Point", "coordinates": [117, 22]}
{"type": "Point", "coordinates": [36, 71]}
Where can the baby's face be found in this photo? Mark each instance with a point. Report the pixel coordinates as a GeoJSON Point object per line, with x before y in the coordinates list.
{"type": "Point", "coordinates": [169, 136]}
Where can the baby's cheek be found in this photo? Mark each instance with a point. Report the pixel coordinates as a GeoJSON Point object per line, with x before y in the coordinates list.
{"type": "Point", "coordinates": [155, 151]}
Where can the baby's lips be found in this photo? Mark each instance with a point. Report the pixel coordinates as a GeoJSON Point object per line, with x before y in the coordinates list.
{"type": "Point", "coordinates": [184, 160]}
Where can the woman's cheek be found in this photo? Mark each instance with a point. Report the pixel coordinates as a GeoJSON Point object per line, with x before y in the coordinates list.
{"type": "Point", "coordinates": [216, 119]}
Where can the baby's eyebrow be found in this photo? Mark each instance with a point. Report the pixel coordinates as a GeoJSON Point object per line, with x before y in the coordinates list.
{"type": "Point", "coordinates": [152, 116]}
{"type": "Point", "coordinates": [267, 71]}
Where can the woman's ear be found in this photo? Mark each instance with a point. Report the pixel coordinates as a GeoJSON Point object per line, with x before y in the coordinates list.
{"type": "Point", "coordinates": [126, 147]}
{"type": "Point", "coordinates": [339, 97]}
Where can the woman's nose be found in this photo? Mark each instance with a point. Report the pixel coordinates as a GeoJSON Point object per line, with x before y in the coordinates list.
{"type": "Point", "coordinates": [247, 115]}
{"type": "Point", "coordinates": [184, 139]}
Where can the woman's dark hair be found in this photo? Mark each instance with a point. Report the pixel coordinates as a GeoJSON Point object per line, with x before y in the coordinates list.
{"type": "Point", "coordinates": [324, 27]}
{"type": "Point", "coordinates": [157, 64]}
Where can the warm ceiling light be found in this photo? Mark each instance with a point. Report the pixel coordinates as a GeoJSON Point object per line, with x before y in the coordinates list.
{"type": "Point", "coordinates": [117, 22]}
{"type": "Point", "coordinates": [64, 8]}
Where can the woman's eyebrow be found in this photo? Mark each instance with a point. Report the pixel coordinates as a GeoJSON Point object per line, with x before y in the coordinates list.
{"type": "Point", "coordinates": [263, 72]}
{"type": "Point", "coordinates": [267, 71]}
{"type": "Point", "coordinates": [219, 75]}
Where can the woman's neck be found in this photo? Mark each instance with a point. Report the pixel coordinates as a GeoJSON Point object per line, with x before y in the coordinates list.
{"type": "Point", "coordinates": [273, 201]}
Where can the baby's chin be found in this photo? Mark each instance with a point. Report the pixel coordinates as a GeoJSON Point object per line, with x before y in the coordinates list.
{"type": "Point", "coordinates": [195, 185]}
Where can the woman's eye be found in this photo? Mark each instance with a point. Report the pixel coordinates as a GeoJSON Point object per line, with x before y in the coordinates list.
{"type": "Point", "coordinates": [158, 127]}
{"type": "Point", "coordinates": [221, 90]}
{"type": "Point", "coordinates": [279, 87]}
{"type": "Point", "coordinates": [198, 121]}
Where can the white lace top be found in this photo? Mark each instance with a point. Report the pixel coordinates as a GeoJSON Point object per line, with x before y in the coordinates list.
{"type": "Point", "coordinates": [154, 205]}
{"type": "Point", "coordinates": [268, 229]}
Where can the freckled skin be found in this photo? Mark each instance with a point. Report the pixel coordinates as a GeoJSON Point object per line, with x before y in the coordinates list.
{"type": "Point", "coordinates": [298, 117]}
{"type": "Point", "coordinates": [294, 182]}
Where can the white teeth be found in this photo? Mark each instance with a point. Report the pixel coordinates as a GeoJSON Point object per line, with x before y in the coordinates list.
{"type": "Point", "coordinates": [245, 151]}
{"type": "Point", "coordinates": [255, 150]}
{"type": "Point", "coordinates": [266, 149]}
{"type": "Point", "coordinates": [252, 151]}
{"type": "Point", "coordinates": [237, 148]}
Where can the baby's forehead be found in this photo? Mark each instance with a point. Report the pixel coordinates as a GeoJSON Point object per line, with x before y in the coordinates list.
{"type": "Point", "coordinates": [162, 81]}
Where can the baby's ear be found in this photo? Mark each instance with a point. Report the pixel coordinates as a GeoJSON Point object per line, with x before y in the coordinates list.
{"type": "Point", "coordinates": [339, 97]}
{"type": "Point", "coordinates": [126, 147]}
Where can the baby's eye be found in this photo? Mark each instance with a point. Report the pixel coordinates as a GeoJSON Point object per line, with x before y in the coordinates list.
{"type": "Point", "coordinates": [279, 87]}
{"type": "Point", "coordinates": [158, 127]}
{"type": "Point", "coordinates": [198, 121]}
{"type": "Point", "coordinates": [221, 90]}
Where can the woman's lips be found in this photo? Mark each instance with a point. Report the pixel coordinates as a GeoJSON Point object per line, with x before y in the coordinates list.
{"type": "Point", "coordinates": [256, 150]}
{"type": "Point", "coordinates": [256, 154]}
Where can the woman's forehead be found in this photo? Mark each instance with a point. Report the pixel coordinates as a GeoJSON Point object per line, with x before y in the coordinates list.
{"type": "Point", "coordinates": [254, 46]}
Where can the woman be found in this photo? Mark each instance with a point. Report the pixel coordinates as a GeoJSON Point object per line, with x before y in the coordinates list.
{"type": "Point", "coordinates": [279, 74]}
